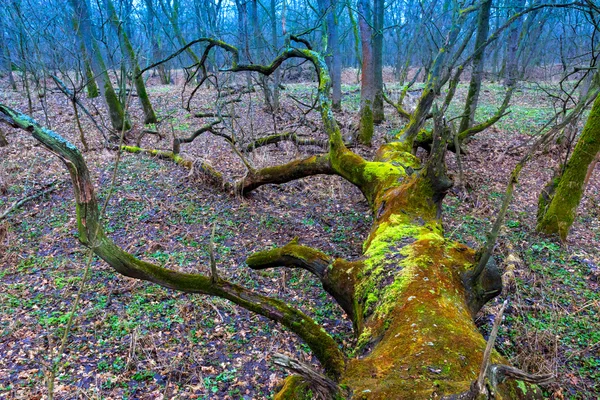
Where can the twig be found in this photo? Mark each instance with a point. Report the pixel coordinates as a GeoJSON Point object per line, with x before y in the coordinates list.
{"type": "Point", "coordinates": [211, 249]}
{"type": "Point", "coordinates": [48, 189]}
{"type": "Point", "coordinates": [485, 364]}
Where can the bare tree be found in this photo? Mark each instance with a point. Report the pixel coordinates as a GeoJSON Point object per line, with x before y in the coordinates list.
{"type": "Point", "coordinates": [116, 112]}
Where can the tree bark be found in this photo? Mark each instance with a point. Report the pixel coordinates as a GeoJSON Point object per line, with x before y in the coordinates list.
{"type": "Point", "coordinates": [558, 203]}
{"type": "Point", "coordinates": [378, 21]}
{"type": "Point", "coordinates": [118, 118]}
{"type": "Point", "coordinates": [333, 57]}
{"type": "Point", "coordinates": [512, 45]}
{"type": "Point", "coordinates": [129, 54]}
{"type": "Point", "coordinates": [367, 87]}
{"type": "Point", "coordinates": [483, 26]}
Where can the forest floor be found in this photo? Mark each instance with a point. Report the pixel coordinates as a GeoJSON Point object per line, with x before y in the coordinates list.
{"type": "Point", "coordinates": [135, 340]}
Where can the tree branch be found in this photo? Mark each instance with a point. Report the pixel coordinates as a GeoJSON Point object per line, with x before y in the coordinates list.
{"type": "Point", "coordinates": [333, 273]}
{"type": "Point", "coordinates": [314, 165]}
{"type": "Point", "coordinates": [45, 190]}
{"type": "Point", "coordinates": [281, 137]}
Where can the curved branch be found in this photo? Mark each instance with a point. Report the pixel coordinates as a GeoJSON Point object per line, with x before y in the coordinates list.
{"type": "Point", "coordinates": [398, 106]}
{"type": "Point", "coordinates": [281, 137]}
{"type": "Point", "coordinates": [92, 234]}
{"type": "Point", "coordinates": [336, 275]}
{"type": "Point", "coordinates": [325, 388]}
{"type": "Point", "coordinates": [342, 161]}
{"type": "Point", "coordinates": [204, 128]}
{"type": "Point", "coordinates": [314, 165]}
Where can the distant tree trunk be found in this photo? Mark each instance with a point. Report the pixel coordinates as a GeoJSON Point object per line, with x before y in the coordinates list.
{"type": "Point", "coordinates": [496, 52]}
{"type": "Point", "coordinates": [483, 26]}
{"type": "Point", "coordinates": [378, 14]}
{"type": "Point", "coordinates": [90, 84]}
{"type": "Point", "coordinates": [118, 119]}
{"type": "Point", "coordinates": [333, 52]}
{"type": "Point", "coordinates": [275, 44]}
{"type": "Point", "coordinates": [356, 35]}
{"type": "Point", "coordinates": [172, 14]}
{"type": "Point", "coordinates": [558, 202]}
{"type": "Point", "coordinates": [129, 54]}
{"type": "Point", "coordinates": [259, 54]}
{"type": "Point", "coordinates": [243, 38]}
{"type": "Point", "coordinates": [3, 141]}
{"type": "Point", "coordinates": [511, 68]}
{"type": "Point", "coordinates": [155, 54]}
{"type": "Point", "coordinates": [7, 59]}
{"type": "Point", "coordinates": [367, 88]}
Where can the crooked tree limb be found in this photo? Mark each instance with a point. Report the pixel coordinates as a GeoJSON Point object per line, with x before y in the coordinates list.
{"type": "Point", "coordinates": [337, 276]}
{"type": "Point", "coordinates": [314, 165]}
{"type": "Point", "coordinates": [198, 168]}
{"type": "Point", "coordinates": [485, 364]}
{"type": "Point", "coordinates": [162, 154]}
{"type": "Point", "coordinates": [282, 137]}
{"type": "Point", "coordinates": [398, 106]}
{"type": "Point", "coordinates": [91, 234]}
{"type": "Point", "coordinates": [63, 88]}
{"type": "Point", "coordinates": [342, 161]}
{"type": "Point", "coordinates": [204, 128]}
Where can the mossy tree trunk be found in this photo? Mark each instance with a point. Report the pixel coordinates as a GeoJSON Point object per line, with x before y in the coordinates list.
{"type": "Point", "coordinates": [378, 26]}
{"type": "Point", "coordinates": [367, 88]}
{"type": "Point", "coordinates": [411, 297]}
{"type": "Point", "coordinates": [559, 201]}
{"type": "Point", "coordinates": [129, 54]}
{"type": "Point", "coordinates": [91, 86]}
{"type": "Point", "coordinates": [90, 83]}
{"type": "Point", "coordinates": [333, 52]}
{"type": "Point", "coordinates": [118, 118]}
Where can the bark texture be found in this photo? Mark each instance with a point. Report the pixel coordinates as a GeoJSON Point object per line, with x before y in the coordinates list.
{"type": "Point", "coordinates": [367, 88]}
{"type": "Point", "coordinates": [559, 201]}
{"type": "Point", "coordinates": [118, 119]}
{"type": "Point", "coordinates": [483, 26]}
{"type": "Point", "coordinates": [129, 54]}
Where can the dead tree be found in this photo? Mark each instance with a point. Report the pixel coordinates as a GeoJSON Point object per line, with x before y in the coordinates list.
{"type": "Point", "coordinates": [411, 298]}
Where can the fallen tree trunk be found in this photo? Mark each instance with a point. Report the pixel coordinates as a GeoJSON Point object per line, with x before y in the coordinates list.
{"type": "Point", "coordinates": [412, 297]}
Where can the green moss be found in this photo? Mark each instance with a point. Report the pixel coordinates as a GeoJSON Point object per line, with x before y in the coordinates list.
{"type": "Point", "coordinates": [398, 153]}
{"type": "Point", "coordinates": [559, 214]}
{"type": "Point", "coordinates": [294, 388]}
{"type": "Point", "coordinates": [521, 385]}
{"type": "Point", "coordinates": [365, 130]}
{"type": "Point", "coordinates": [382, 171]}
